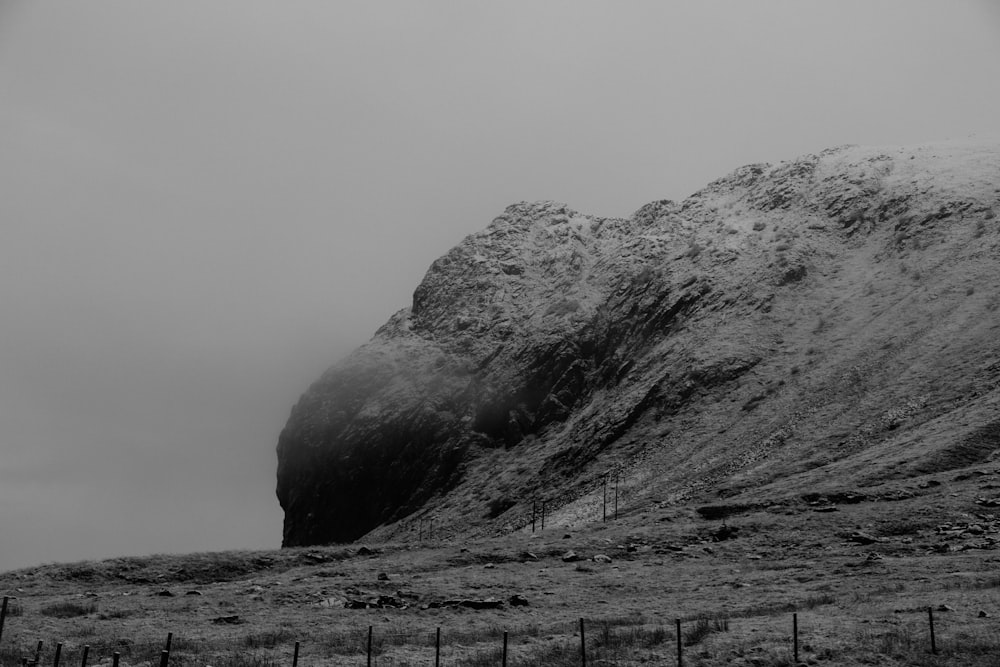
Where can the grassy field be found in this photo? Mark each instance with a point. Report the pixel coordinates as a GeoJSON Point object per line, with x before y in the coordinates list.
{"type": "Point", "coordinates": [860, 576]}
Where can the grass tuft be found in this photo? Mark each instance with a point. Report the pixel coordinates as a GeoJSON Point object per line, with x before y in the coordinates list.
{"type": "Point", "coordinates": [243, 659]}
{"type": "Point", "coordinates": [703, 627]}
{"type": "Point", "coordinates": [270, 639]}
{"type": "Point", "coordinates": [14, 609]}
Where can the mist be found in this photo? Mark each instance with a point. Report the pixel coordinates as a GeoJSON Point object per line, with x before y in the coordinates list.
{"type": "Point", "coordinates": [206, 205]}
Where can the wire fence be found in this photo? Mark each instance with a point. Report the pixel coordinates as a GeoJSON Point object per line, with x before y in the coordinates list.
{"type": "Point", "coordinates": [617, 642]}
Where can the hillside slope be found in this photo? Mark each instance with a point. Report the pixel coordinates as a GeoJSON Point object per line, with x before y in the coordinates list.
{"type": "Point", "coordinates": [825, 325]}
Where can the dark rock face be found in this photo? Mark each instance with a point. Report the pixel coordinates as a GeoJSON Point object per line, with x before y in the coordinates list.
{"type": "Point", "coordinates": [384, 462]}
{"type": "Point", "coordinates": [508, 333]}
{"type": "Point", "coordinates": [552, 341]}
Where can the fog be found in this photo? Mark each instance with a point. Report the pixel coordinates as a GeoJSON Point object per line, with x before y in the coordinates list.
{"type": "Point", "coordinates": [204, 205]}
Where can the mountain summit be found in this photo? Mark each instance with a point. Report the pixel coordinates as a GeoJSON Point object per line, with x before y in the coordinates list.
{"type": "Point", "coordinates": [825, 325]}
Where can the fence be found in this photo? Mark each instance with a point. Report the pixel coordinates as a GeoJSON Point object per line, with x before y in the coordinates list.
{"type": "Point", "coordinates": [606, 642]}
{"type": "Point", "coordinates": [604, 508]}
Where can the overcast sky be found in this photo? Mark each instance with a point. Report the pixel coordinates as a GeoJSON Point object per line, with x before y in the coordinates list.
{"type": "Point", "coordinates": [205, 204]}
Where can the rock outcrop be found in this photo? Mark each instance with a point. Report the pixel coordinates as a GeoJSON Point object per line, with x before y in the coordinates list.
{"type": "Point", "coordinates": [834, 316]}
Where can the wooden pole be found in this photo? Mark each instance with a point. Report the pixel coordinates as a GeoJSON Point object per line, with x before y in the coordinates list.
{"type": "Point", "coordinates": [604, 493]}
{"type": "Point", "coordinates": [680, 650]}
{"type": "Point", "coordinates": [930, 618]}
{"type": "Point", "coordinates": [616, 496]}
{"type": "Point", "coordinates": [795, 638]}
{"type": "Point", "coordinates": [437, 649]}
{"type": "Point", "coordinates": [583, 646]}
{"type": "Point", "coordinates": [532, 517]}
{"type": "Point", "coordinates": [543, 515]}
{"type": "Point", "coordinates": [369, 646]}
{"type": "Point", "coordinates": [38, 651]}
{"type": "Point", "coordinates": [3, 615]}
{"type": "Point", "coordinates": [295, 656]}
{"type": "Point", "coordinates": [55, 660]}
{"type": "Point", "coordinates": [165, 653]}
{"type": "Point", "coordinates": [114, 658]}
{"type": "Point", "coordinates": [504, 648]}
{"type": "Point", "coordinates": [86, 652]}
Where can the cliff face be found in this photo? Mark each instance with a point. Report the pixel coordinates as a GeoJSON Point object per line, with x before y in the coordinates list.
{"type": "Point", "coordinates": [831, 320]}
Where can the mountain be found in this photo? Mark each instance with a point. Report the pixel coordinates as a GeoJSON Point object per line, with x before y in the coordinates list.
{"type": "Point", "coordinates": [824, 326]}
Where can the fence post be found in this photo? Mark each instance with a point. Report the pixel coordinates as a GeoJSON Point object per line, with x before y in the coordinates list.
{"type": "Point", "coordinates": [86, 652]}
{"type": "Point", "coordinates": [295, 656]}
{"type": "Point", "coordinates": [437, 649]}
{"type": "Point", "coordinates": [165, 653]}
{"type": "Point", "coordinates": [3, 615]}
{"type": "Point", "coordinates": [421, 538]}
{"type": "Point", "coordinates": [369, 646]}
{"type": "Point", "coordinates": [604, 489]}
{"type": "Point", "coordinates": [680, 650]}
{"type": "Point", "coordinates": [55, 660]}
{"type": "Point", "coordinates": [114, 659]}
{"type": "Point", "coordinates": [583, 646]}
{"type": "Point", "coordinates": [543, 515]}
{"type": "Point", "coordinates": [795, 637]}
{"type": "Point", "coordinates": [504, 664]}
{"type": "Point", "coordinates": [38, 652]}
{"type": "Point", "coordinates": [616, 496]}
{"type": "Point", "coordinates": [532, 527]}
{"type": "Point", "coordinates": [930, 618]}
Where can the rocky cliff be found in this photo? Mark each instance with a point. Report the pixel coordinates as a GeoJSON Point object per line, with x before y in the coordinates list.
{"type": "Point", "coordinates": [824, 323]}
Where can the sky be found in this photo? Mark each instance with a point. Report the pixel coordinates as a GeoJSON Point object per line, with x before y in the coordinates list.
{"type": "Point", "coordinates": [205, 205]}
